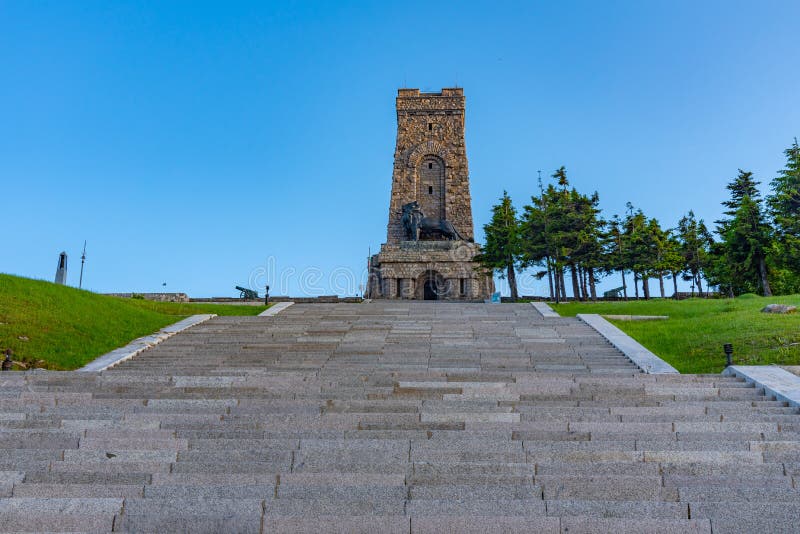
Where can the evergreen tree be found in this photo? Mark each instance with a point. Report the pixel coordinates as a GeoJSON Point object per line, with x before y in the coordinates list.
{"type": "Point", "coordinates": [588, 255]}
{"type": "Point", "coordinates": [545, 235]}
{"type": "Point", "coordinates": [563, 224]}
{"type": "Point", "coordinates": [638, 253]}
{"type": "Point", "coordinates": [720, 272]}
{"type": "Point", "coordinates": [673, 260]}
{"type": "Point", "coordinates": [742, 186]}
{"type": "Point", "coordinates": [616, 258]}
{"type": "Point", "coordinates": [561, 177]}
{"type": "Point", "coordinates": [740, 264]}
{"type": "Point", "coordinates": [502, 251]}
{"type": "Point", "coordinates": [536, 238]}
{"type": "Point", "coordinates": [667, 259]}
{"type": "Point", "coordinates": [784, 205]}
{"type": "Point", "coordinates": [536, 241]}
{"type": "Point", "coordinates": [695, 243]}
{"type": "Point", "coordinates": [562, 230]}
{"type": "Point", "coordinates": [747, 240]}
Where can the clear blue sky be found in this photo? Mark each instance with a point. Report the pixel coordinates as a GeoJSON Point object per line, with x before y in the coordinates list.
{"type": "Point", "coordinates": [202, 144]}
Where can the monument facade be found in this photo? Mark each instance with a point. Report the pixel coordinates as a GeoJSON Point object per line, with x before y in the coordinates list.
{"type": "Point", "coordinates": [429, 251]}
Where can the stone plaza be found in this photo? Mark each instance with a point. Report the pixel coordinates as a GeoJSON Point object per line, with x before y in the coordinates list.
{"type": "Point", "coordinates": [393, 416]}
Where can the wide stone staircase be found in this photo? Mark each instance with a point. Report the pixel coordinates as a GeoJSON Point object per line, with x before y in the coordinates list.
{"type": "Point", "coordinates": [393, 417]}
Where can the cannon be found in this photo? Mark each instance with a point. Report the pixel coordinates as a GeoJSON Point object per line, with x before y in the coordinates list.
{"type": "Point", "coordinates": [613, 293]}
{"type": "Point", "coordinates": [247, 294]}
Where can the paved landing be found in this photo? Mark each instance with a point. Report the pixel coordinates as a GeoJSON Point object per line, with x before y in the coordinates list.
{"type": "Point", "coordinates": [395, 417]}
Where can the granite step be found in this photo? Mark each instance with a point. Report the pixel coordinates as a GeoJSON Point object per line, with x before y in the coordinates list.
{"type": "Point", "coordinates": [33, 514]}
{"type": "Point", "coordinates": [190, 514]}
{"type": "Point", "coordinates": [367, 524]}
{"type": "Point", "coordinates": [393, 416]}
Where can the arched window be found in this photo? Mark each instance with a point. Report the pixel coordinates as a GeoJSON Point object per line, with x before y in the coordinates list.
{"type": "Point", "coordinates": [431, 188]}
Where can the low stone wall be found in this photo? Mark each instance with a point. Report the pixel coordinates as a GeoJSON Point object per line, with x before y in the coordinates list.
{"type": "Point", "coordinates": [320, 299]}
{"type": "Point", "coordinates": [536, 298]}
{"type": "Point", "coordinates": [283, 298]}
{"type": "Point", "coordinates": [225, 299]}
{"type": "Point", "coordinates": [157, 297]}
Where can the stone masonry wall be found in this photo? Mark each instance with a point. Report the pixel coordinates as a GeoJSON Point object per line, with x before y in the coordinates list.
{"type": "Point", "coordinates": [430, 160]}
{"type": "Point", "coordinates": [157, 297]}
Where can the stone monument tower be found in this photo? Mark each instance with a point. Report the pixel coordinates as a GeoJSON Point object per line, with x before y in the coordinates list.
{"type": "Point", "coordinates": [61, 270]}
{"type": "Point", "coordinates": [429, 250]}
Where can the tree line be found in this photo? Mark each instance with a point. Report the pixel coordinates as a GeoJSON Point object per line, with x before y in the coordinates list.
{"type": "Point", "coordinates": [753, 248]}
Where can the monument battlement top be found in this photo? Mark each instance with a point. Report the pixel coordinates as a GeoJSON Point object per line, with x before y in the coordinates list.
{"type": "Point", "coordinates": [447, 91]}
{"type": "Point", "coordinates": [413, 100]}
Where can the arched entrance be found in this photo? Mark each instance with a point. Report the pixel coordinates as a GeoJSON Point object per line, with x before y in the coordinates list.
{"type": "Point", "coordinates": [429, 290]}
{"type": "Point", "coordinates": [431, 286]}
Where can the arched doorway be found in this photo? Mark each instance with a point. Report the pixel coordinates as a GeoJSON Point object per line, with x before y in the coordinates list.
{"type": "Point", "coordinates": [431, 286]}
{"type": "Point", "coordinates": [429, 290]}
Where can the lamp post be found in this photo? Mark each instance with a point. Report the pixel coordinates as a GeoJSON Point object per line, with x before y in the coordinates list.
{"type": "Point", "coordinates": [728, 349]}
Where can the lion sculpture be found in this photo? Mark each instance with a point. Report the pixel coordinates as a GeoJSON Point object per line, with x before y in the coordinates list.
{"type": "Point", "coordinates": [418, 226]}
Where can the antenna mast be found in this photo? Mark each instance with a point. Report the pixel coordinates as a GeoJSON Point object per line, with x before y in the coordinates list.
{"type": "Point", "coordinates": [83, 260]}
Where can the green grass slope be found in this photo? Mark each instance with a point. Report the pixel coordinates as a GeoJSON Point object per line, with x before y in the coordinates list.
{"type": "Point", "coordinates": [691, 339]}
{"type": "Point", "coordinates": [60, 327]}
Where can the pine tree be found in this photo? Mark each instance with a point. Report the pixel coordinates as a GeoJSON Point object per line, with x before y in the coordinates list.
{"type": "Point", "coordinates": [667, 258]}
{"type": "Point", "coordinates": [562, 222]}
{"type": "Point", "coordinates": [747, 240]}
{"type": "Point", "coordinates": [784, 205]}
{"type": "Point", "coordinates": [561, 177]}
{"type": "Point", "coordinates": [588, 254]}
{"type": "Point", "coordinates": [720, 272]}
{"type": "Point", "coordinates": [639, 250]}
{"type": "Point", "coordinates": [695, 242]}
{"type": "Point", "coordinates": [536, 242]}
{"type": "Point", "coordinates": [502, 251]}
{"type": "Point", "coordinates": [615, 256]}
{"type": "Point", "coordinates": [562, 230]}
{"type": "Point", "coordinates": [673, 260]}
{"type": "Point", "coordinates": [537, 245]}
{"type": "Point", "coordinates": [546, 234]}
{"type": "Point", "coordinates": [740, 264]}
{"type": "Point", "coordinates": [742, 186]}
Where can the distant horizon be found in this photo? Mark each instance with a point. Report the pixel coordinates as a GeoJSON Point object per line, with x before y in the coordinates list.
{"type": "Point", "coordinates": [209, 148]}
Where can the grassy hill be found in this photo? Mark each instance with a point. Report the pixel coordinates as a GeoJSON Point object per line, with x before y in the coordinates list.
{"type": "Point", "coordinates": [691, 339]}
{"type": "Point", "coordinates": [60, 327]}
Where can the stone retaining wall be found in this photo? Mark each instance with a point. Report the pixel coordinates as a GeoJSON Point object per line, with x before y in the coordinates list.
{"type": "Point", "coordinates": [282, 298]}
{"type": "Point", "coordinates": [157, 297]}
